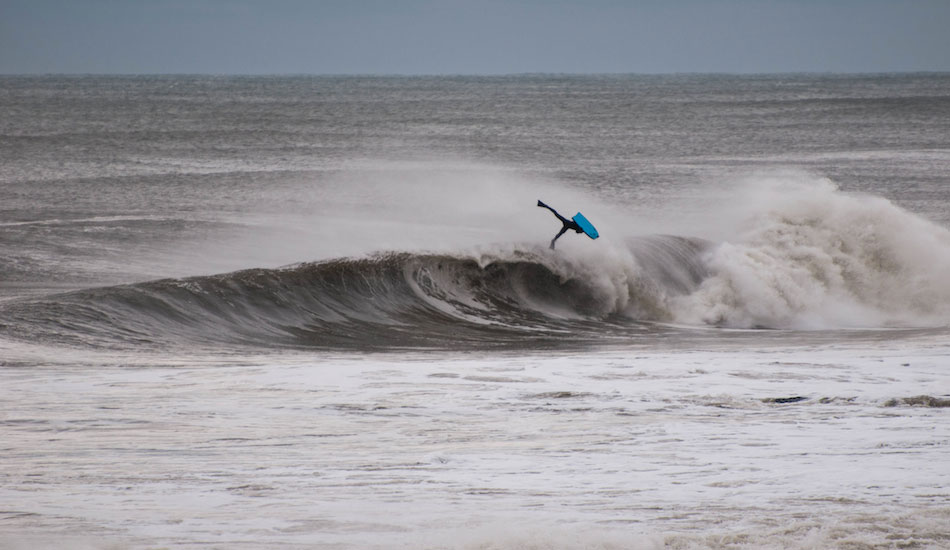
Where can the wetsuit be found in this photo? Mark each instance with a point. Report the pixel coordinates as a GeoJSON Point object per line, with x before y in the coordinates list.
{"type": "Point", "coordinates": [568, 224]}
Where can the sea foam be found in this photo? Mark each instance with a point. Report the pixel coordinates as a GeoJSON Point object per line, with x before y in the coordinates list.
{"type": "Point", "coordinates": [810, 256]}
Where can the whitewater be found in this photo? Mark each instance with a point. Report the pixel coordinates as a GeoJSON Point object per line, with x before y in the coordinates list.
{"type": "Point", "coordinates": [321, 312]}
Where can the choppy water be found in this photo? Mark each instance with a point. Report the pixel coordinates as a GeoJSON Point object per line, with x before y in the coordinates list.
{"type": "Point", "coordinates": [321, 312]}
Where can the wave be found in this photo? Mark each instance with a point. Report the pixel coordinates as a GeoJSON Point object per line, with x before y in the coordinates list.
{"type": "Point", "coordinates": [508, 296]}
{"type": "Point", "coordinates": [806, 257]}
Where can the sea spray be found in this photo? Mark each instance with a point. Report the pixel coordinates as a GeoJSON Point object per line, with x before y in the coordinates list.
{"type": "Point", "coordinates": [810, 256]}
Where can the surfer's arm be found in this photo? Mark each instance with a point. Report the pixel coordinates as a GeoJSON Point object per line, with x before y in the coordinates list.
{"type": "Point", "coordinates": [559, 233]}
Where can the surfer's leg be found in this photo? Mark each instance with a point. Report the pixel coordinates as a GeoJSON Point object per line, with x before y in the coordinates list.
{"type": "Point", "coordinates": [542, 205]}
{"type": "Point", "coordinates": [553, 211]}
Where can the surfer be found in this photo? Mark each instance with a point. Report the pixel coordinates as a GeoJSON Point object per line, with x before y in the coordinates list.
{"type": "Point", "coordinates": [568, 224]}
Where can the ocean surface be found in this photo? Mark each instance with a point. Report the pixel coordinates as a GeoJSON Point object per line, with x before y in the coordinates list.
{"type": "Point", "coordinates": [322, 312]}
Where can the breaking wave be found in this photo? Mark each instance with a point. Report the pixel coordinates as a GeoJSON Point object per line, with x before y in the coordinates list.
{"type": "Point", "coordinates": [503, 297]}
{"type": "Point", "coordinates": [806, 257]}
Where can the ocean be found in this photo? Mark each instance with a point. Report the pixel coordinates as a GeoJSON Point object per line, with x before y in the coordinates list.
{"type": "Point", "coordinates": [323, 312]}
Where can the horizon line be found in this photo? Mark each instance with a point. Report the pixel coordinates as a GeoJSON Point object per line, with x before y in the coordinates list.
{"type": "Point", "coordinates": [480, 74]}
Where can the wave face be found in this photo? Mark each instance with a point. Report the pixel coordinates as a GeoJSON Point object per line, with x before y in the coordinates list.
{"type": "Point", "coordinates": [515, 296]}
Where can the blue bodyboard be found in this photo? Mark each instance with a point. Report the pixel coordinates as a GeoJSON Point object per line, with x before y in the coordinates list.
{"type": "Point", "coordinates": [586, 226]}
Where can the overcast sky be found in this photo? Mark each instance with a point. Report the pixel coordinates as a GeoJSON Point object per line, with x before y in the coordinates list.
{"type": "Point", "coordinates": [472, 36]}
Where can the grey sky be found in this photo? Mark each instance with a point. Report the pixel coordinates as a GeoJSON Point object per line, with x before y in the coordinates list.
{"type": "Point", "coordinates": [472, 36]}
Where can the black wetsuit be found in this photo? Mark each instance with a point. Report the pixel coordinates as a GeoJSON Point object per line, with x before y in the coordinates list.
{"type": "Point", "coordinates": [568, 224]}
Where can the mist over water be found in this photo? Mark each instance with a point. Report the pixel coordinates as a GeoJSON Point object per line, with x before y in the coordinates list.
{"type": "Point", "coordinates": [322, 312]}
{"type": "Point", "coordinates": [406, 262]}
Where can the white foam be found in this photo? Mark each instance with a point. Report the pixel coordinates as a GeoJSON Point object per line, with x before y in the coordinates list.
{"type": "Point", "coordinates": [595, 450]}
{"type": "Point", "coordinates": [810, 256]}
